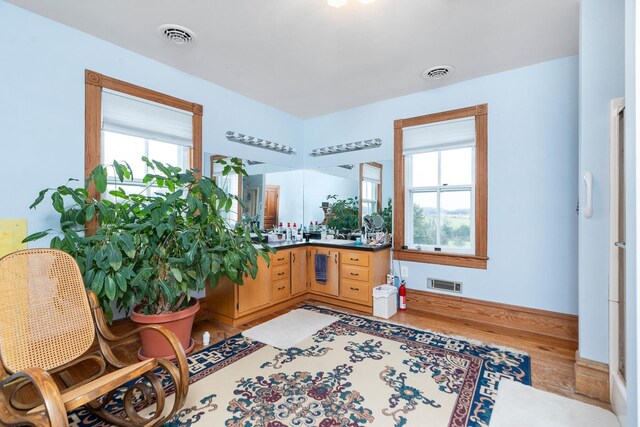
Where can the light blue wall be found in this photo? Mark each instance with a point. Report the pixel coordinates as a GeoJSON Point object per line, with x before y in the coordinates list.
{"type": "Point", "coordinates": [532, 146]}
{"type": "Point", "coordinates": [533, 162]}
{"type": "Point", "coordinates": [42, 107]}
{"type": "Point", "coordinates": [601, 79]}
{"type": "Point", "coordinates": [631, 138]}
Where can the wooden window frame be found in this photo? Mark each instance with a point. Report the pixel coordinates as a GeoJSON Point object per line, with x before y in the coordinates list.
{"type": "Point", "coordinates": [479, 258]}
{"type": "Point", "coordinates": [94, 83]}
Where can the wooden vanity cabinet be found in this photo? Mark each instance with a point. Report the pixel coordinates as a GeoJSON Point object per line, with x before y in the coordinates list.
{"type": "Point", "coordinates": [332, 285]}
{"type": "Point", "coordinates": [290, 278]}
{"type": "Point", "coordinates": [299, 264]}
{"type": "Point", "coordinates": [228, 301]}
{"type": "Point", "coordinates": [280, 275]}
{"type": "Point", "coordinates": [254, 293]}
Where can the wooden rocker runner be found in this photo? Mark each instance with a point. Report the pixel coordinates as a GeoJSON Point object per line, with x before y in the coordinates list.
{"type": "Point", "coordinates": [47, 324]}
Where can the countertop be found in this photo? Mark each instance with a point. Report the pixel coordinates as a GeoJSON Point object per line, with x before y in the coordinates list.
{"type": "Point", "coordinates": [332, 243]}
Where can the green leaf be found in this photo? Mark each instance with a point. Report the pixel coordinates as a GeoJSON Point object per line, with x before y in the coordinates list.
{"type": "Point", "coordinates": [58, 203]}
{"type": "Point", "coordinates": [166, 290]}
{"type": "Point", "coordinates": [90, 212]}
{"type": "Point", "coordinates": [177, 274]}
{"type": "Point", "coordinates": [39, 199]}
{"type": "Point", "coordinates": [126, 242]}
{"type": "Point", "coordinates": [100, 178]}
{"type": "Point", "coordinates": [110, 287]}
{"type": "Point", "coordinates": [98, 282]}
{"type": "Point", "coordinates": [114, 256]}
{"type": "Point", "coordinates": [36, 236]}
{"type": "Point", "coordinates": [118, 169]}
{"type": "Point", "coordinates": [121, 282]}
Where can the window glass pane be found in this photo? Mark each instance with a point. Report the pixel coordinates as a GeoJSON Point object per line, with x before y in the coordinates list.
{"type": "Point", "coordinates": [424, 170]}
{"type": "Point", "coordinates": [367, 208]}
{"type": "Point", "coordinates": [455, 217]}
{"type": "Point", "coordinates": [425, 214]}
{"type": "Point", "coordinates": [165, 152]}
{"type": "Point", "coordinates": [457, 166]}
{"type": "Point", "coordinates": [124, 148]}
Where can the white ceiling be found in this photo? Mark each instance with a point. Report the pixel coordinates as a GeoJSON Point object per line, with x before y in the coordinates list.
{"type": "Point", "coordinates": [309, 59]}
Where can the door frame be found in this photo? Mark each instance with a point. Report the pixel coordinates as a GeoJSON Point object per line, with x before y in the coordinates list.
{"type": "Point", "coordinates": [617, 386]}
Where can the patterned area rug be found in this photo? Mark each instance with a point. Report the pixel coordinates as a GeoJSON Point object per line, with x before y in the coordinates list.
{"type": "Point", "coordinates": [354, 372]}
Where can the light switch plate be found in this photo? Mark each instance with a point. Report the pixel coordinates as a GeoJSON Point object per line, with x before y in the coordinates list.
{"type": "Point", "coordinates": [404, 271]}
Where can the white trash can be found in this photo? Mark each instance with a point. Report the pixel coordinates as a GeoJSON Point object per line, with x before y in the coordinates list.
{"type": "Point", "coordinates": [385, 301]}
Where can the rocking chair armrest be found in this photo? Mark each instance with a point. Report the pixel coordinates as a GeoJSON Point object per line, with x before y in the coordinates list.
{"type": "Point", "coordinates": [171, 338]}
{"type": "Point", "coordinates": [46, 386]}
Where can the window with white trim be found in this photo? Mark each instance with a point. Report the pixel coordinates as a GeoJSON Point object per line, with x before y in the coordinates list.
{"type": "Point", "coordinates": [441, 190]}
{"type": "Point", "coordinates": [133, 127]}
{"type": "Point", "coordinates": [370, 181]}
{"type": "Point", "coordinates": [440, 186]}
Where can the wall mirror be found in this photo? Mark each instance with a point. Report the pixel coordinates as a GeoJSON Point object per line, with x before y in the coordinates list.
{"type": "Point", "coordinates": [340, 196]}
{"type": "Point", "coordinates": [336, 196]}
{"type": "Point", "coordinates": [271, 193]}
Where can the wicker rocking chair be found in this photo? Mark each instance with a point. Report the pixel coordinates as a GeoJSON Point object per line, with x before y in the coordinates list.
{"type": "Point", "coordinates": [47, 324]}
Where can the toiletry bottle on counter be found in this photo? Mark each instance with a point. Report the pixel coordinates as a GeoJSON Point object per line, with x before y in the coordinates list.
{"type": "Point", "coordinates": [288, 232]}
{"type": "Point", "coordinates": [280, 228]}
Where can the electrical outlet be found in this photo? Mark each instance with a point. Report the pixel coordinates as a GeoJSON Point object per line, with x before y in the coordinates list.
{"type": "Point", "coordinates": [404, 271]}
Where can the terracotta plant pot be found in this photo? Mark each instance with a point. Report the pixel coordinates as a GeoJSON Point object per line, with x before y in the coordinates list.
{"type": "Point", "coordinates": [180, 323]}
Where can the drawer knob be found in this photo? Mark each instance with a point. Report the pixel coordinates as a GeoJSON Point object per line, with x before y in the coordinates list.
{"type": "Point", "coordinates": [354, 289]}
{"type": "Point", "coordinates": [355, 274]}
{"type": "Point", "coordinates": [354, 259]}
{"type": "Point", "coordinates": [281, 288]}
{"type": "Point", "coordinates": [280, 259]}
{"type": "Point", "coordinates": [281, 273]}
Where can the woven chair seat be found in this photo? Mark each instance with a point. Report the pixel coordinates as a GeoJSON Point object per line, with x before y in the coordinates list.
{"type": "Point", "coordinates": [77, 397]}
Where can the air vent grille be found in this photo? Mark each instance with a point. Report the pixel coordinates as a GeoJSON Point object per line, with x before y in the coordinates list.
{"type": "Point", "coordinates": [444, 285]}
{"type": "Point", "coordinates": [177, 34]}
{"type": "Point", "coordinates": [438, 72]}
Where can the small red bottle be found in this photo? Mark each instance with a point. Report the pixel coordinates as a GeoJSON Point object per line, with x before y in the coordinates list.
{"type": "Point", "coordinates": [402, 293]}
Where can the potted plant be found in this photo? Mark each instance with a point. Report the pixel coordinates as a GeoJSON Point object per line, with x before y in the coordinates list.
{"type": "Point", "coordinates": [146, 253]}
{"type": "Point", "coordinates": [344, 213]}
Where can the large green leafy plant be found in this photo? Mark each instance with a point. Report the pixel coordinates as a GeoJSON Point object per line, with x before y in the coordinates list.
{"type": "Point", "coordinates": [152, 251]}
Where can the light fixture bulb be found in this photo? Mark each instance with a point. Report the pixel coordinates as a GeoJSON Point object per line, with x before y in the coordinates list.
{"type": "Point", "coordinates": [366, 1]}
{"type": "Point", "coordinates": [337, 3]}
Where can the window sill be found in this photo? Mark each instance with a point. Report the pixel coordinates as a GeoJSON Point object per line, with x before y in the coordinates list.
{"type": "Point", "coordinates": [456, 260]}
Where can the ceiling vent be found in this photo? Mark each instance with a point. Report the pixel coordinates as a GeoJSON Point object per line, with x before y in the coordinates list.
{"type": "Point", "coordinates": [177, 34]}
{"type": "Point", "coordinates": [438, 72]}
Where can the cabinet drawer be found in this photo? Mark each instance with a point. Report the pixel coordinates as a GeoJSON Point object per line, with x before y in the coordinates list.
{"type": "Point", "coordinates": [280, 258]}
{"type": "Point", "coordinates": [280, 289]}
{"type": "Point", "coordinates": [354, 272]}
{"type": "Point", "coordinates": [280, 272]}
{"type": "Point", "coordinates": [355, 258]}
{"type": "Point", "coordinates": [355, 290]}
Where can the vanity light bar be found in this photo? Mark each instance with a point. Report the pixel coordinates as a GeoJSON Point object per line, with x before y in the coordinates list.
{"type": "Point", "coordinates": [260, 143]}
{"type": "Point", "coordinates": [345, 148]}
